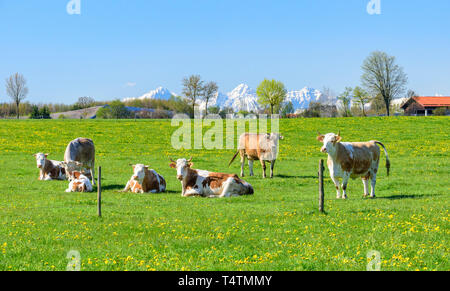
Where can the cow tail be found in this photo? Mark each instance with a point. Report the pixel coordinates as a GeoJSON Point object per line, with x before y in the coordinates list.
{"type": "Point", "coordinates": [232, 160]}
{"type": "Point", "coordinates": [388, 163]}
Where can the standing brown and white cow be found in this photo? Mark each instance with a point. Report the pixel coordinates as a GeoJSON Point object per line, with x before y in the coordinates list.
{"type": "Point", "coordinates": [262, 147]}
{"type": "Point", "coordinates": [208, 184]}
{"type": "Point", "coordinates": [145, 180]}
{"type": "Point", "coordinates": [48, 169]}
{"type": "Point", "coordinates": [80, 153]}
{"type": "Point", "coordinates": [352, 160]}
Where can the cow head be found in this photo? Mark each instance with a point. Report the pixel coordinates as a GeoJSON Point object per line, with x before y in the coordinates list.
{"type": "Point", "coordinates": [139, 171]}
{"type": "Point", "coordinates": [78, 184]}
{"type": "Point", "coordinates": [72, 167]}
{"type": "Point", "coordinates": [182, 166]}
{"type": "Point", "coordinates": [40, 160]}
{"type": "Point", "coordinates": [329, 141]}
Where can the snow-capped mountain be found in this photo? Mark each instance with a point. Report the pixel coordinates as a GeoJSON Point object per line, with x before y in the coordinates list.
{"type": "Point", "coordinates": [159, 93]}
{"type": "Point", "coordinates": [242, 98]}
{"type": "Point", "coordinates": [302, 98]}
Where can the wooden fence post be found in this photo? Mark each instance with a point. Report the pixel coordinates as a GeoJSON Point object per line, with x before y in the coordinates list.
{"type": "Point", "coordinates": [99, 192]}
{"type": "Point", "coordinates": [321, 188]}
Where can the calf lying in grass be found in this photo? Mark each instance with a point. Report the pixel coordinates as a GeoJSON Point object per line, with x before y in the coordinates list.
{"type": "Point", "coordinates": [145, 180]}
{"type": "Point", "coordinates": [208, 184]}
{"type": "Point", "coordinates": [80, 183]}
{"type": "Point", "coordinates": [49, 170]}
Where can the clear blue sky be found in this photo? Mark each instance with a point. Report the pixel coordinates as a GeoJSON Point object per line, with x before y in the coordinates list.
{"type": "Point", "coordinates": [147, 43]}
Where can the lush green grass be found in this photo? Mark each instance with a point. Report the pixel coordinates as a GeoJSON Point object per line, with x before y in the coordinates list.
{"type": "Point", "coordinates": [279, 228]}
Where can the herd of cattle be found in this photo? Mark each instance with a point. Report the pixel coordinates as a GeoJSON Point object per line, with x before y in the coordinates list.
{"type": "Point", "coordinates": [345, 160]}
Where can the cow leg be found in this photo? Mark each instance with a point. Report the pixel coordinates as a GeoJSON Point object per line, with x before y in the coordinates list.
{"type": "Point", "coordinates": [250, 166]}
{"type": "Point", "coordinates": [366, 186]}
{"type": "Point", "coordinates": [92, 169]}
{"type": "Point", "coordinates": [272, 166]}
{"type": "Point", "coordinates": [127, 187]}
{"type": "Point", "coordinates": [336, 183]}
{"type": "Point", "coordinates": [263, 165]}
{"type": "Point", "coordinates": [374, 182]}
{"type": "Point", "coordinates": [242, 164]}
{"type": "Point", "coordinates": [344, 185]}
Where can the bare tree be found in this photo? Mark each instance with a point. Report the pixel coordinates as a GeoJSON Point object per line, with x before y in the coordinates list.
{"type": "Point", "coordinates": [193, 89]}
{"type": "Point", "coordinates": [382, 76]}
{"type": "Point", "coordinates": [411, 93]}
{"type": "Point", "coordinates": [210, 90]}
{"type": "Point", "coordinates": [84, 103]}
{"type": "Point", "coordinates": [16, 89]}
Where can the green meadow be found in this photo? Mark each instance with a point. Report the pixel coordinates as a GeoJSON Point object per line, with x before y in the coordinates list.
{"type": "Point", "coordinates": [278, 228]}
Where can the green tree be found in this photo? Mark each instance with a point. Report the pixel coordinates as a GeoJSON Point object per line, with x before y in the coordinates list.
{"type": "Point", "coordinates": [271, 93]}
{"type": "Point", "coordinates": [118, 110]}
{"type": "Point", "coordinates": [287, 108]}
{"type": "Point", "coordinates": [34, 112]}
{"type": "Point", "coordinates": [382, 76]}
{"type": "Point", "coordinates": [45, 113]}
{"type": "Point", "coordinates": [346, 99]}
{"type": "Point", "coordinates": [361, 97]}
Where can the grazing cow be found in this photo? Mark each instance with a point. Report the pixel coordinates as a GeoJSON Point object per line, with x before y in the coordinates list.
{"type": "Point", "coordinates": [145, 181]}
{"type": "Point", "coordinates": [80, 183]}
{"type": "Point", "coordinates": [80, 153]}
{"type": "Point", "coordinates": [262, 147]}
{"type": "Point", "coordinates": [352, 160]}
{"type": "Point", "coordinates": [207, 184]}
{"type": "Point", "coordinates": [49, 170]}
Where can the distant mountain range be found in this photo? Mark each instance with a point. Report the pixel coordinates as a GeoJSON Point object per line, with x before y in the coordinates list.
{"type": "Point", "coordinates": [244, 98]}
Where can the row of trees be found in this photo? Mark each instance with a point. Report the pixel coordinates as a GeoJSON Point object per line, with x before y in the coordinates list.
{"type": "Point", "coordinates": [382, 79]}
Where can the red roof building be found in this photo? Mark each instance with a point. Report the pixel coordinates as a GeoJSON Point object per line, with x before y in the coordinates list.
{"type": "Point", "coordinates": [425, 106]}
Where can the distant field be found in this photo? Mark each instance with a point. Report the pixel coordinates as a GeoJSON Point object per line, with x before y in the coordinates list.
{"type": "Point", "coordinates": [279, 228]}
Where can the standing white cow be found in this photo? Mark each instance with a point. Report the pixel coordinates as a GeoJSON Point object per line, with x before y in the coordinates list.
{"type": "Point", "coordinates": [352, 160]}
{"type": "Point", "coordinates": [258, 147]}
{"type": "Point", "coordinates": [80, 153]}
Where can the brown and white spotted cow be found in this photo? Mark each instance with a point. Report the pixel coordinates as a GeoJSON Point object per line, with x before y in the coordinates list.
{"type": "Point", "coordinates": [207, 184]}
{"type": "Point", "coordinates": [352, 160]}
{"type": "Point", "coordinates": [258, 147]}
{"type": "Point", "coordinates": [49, 170]}
{"type": "Point", "coordinates": [145, 180]}
{"type": "Point", "coordinates": [79, 155]}
{"type": "Point", "coordinates": [80, 183]}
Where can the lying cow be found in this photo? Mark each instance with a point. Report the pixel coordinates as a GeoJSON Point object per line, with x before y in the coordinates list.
{"type": "Point", "coordinates": [79, 155]}
{"type": "Point", "coordinates": [80, 183]}
{"type": "Point", "coordinates": [352, 160]}
{"type": "Point", "coordinates": [262, 147]}
{"type": "Point", "coordinates": [145, 181]}
{"type": "Point", "coordinates": [207, 184]}
{"type": "Point", "coordinates": [49, 170]}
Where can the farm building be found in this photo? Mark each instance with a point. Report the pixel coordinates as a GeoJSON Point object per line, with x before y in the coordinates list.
{"type": "Point", "coordinates": [425, 106]}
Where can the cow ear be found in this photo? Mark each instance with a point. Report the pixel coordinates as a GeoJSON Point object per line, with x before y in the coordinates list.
{"type": "Point", "coordinates": [173, 165]}
{"type": "Point", "coordinates": [46, 155]}
{"type": "Point", "coordinates": [338, 138]}
{"type": "Point", "coordinates": [190, 165]}
{"type": "Point", "coordinates": [320, 138]}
